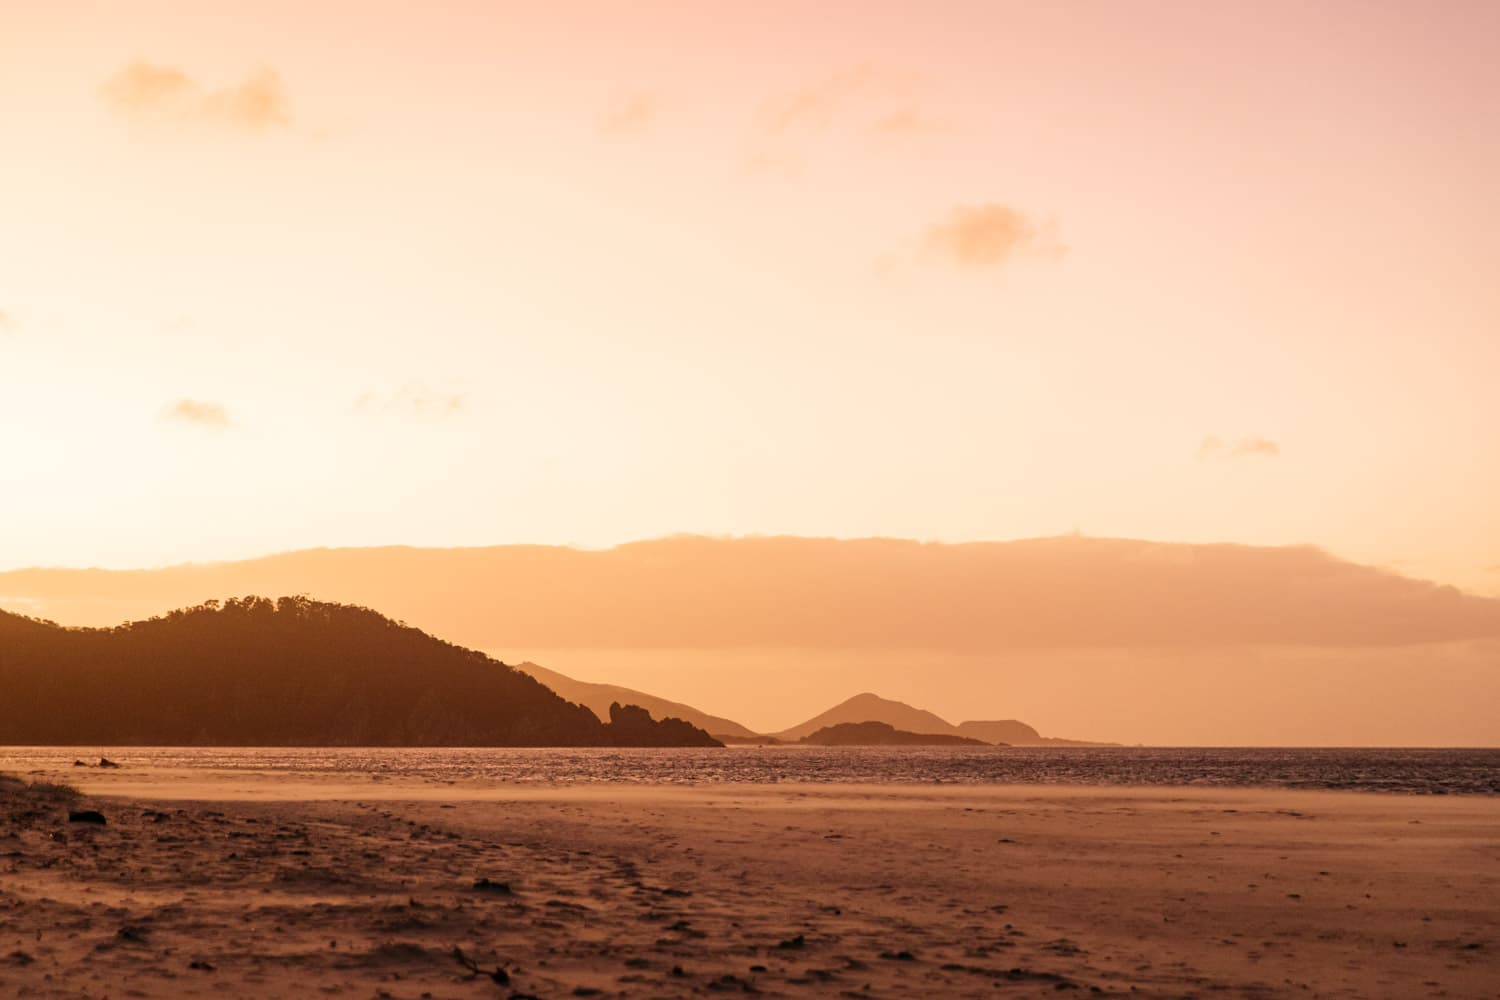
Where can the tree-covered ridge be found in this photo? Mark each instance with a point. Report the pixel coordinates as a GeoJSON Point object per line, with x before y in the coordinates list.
{"type": "Point", "coordinates": [292, 671]}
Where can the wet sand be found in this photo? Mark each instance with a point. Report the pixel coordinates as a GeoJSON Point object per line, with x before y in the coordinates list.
{"type": "Point", "coordinates": [250, 884]}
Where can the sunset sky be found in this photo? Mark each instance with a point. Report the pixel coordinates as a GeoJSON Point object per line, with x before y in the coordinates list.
{"type": "Point", "coordinates": [281, 275]}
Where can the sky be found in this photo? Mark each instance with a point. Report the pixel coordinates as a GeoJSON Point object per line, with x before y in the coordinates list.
{"type": "Point", "coordinates": [282, 275]}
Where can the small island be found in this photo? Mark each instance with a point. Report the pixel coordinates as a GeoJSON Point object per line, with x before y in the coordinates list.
{"type": "Point", "coordinates": [881, 734]}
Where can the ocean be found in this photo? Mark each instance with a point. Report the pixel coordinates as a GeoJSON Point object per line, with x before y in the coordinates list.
{"type": "Point", "coordinates": [1406, 771]}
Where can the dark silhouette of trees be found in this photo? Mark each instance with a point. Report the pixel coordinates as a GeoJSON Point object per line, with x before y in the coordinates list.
{"type": "Point", "coordinates": [253, 671]}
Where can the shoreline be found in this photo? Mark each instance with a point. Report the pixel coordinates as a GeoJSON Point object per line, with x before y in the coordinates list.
{"type": "Point", "coordinates": [1443, 772]}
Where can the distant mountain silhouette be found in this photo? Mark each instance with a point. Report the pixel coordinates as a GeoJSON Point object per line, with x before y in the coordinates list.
{"type": "Point", "coordinates": [858, 710]}
{"type": "Point", "coordinates": [1018, 734]}
{"type": "Point", "coordinates": [1001, 731]}
{"type": "Point", "coordinates": [813, 593]}
{"type": "Point", "coordinates": [879, 734]}
{"type": "Point", "coordinates": [293, 671]}
{"type": "Point", "coordinates": [863, 708]}
{"type": "Point", "coordinates": [871, 708]}
{"type": "Point", "coordinates": [598, 697]}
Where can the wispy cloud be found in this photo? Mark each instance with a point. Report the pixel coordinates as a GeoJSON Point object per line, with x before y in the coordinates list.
{"type": "Point", "coordinates": [148, 90]}
{"type": "Point", "coordinates": [778, 164]}
{"type": "Point", "coordinates": [864, 98]}
{"type": "Point", "coordinates": [1255, 447]}
{"type": "Point", "coordinates": [198, 412]}
{"type": "Point", "coordinates": [634, 115]}
{"type": "Point", "coordinates": [985, 237]}
{"type": "Point", "coordinates": [817, 105]}
{"type": "Point", "coordinates": [413, 400]}
{"type": "Point", "coordinates": [908, 120]}
{"type": "Point", "coordinates": [1248, 447]}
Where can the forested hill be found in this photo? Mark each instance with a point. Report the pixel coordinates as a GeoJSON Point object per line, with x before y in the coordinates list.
{"type": "Point", "coordinates": [293, 671]}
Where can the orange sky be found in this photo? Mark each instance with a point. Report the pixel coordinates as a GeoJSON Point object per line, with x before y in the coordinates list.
{"type": "Point", "coordinates": [277, 275]}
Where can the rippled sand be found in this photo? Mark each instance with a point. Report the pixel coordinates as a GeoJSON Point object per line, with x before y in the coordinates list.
{"type": "Point", "coordinates": [207, 883]}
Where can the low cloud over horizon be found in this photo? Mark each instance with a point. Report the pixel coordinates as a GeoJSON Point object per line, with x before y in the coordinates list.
{"type": "Point", "coordinates": [257, 103]}
{"type": "Point", "coordinates": [695, 592]}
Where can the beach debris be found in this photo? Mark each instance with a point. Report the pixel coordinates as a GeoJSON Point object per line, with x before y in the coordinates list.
{"type": "Point", "coordinates": [797, 941]}
{"type": "Point", "coordinates": [19, 958]}
{"type": "Point", "coordinates": [131, 934]}
{"type": "Point", "coordinates": [106, 762]}
{"type": "Point", "coordinates": [500, 976]}
{"type": "Point", "coordinates": [79, 763]}
{"type": "Point", "coordinates": [86, 816]}
{"type": "Point", "coordinates": [729, 981]}
{"type": "Point", "coordinates": [498, 888]}
{"type": "Point", "coordinates": [203, 966]}
{"type": "Point", "coordinates": [898, 956]}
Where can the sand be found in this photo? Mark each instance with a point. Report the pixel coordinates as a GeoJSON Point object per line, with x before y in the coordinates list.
{"type": "Point", "coordinates": [261, 885]}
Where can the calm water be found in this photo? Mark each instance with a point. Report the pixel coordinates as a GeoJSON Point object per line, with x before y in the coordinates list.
{"type": "Point", "coordinates": [1436, 771]}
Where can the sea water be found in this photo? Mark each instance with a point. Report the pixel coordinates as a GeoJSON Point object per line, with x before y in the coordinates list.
{"type": "Point", "coordinates": [1411, 771]}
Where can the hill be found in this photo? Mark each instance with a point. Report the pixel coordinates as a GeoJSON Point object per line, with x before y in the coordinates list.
{"type": "Point", "coordinates": [1001, 731]}
{"type": "Point", "coordinates": [598, 697]}
{"type": "Point", "coordinates": [871, 708]}
{"type": "Point", "coordinates": [257, 672]}
{"type": "Point", "coordinates": [878, 734]}
{"type": "Point", "coordinates": [1019, 734]}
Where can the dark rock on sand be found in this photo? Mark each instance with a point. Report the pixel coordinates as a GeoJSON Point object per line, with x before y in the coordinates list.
{"type": "Point", "coordinates": [86, 816]}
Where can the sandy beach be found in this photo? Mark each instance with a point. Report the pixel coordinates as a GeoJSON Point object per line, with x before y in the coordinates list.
{"type": "Point", "coordinates": [272, 885]}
